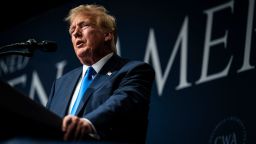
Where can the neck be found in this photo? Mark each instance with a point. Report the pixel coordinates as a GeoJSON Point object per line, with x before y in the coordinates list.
{"type": "Point", "coordinates": [95, 58]}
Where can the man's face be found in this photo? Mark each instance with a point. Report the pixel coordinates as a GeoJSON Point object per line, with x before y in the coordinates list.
{"type": "Point", "coordinates": [87, 38]}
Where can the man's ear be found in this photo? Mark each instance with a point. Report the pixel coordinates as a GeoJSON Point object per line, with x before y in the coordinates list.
{"type": "Point", "coordinates": [108, 36]}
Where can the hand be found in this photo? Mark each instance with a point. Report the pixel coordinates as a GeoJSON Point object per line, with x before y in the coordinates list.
{"type": "Point", "coordinates": [75, 128]}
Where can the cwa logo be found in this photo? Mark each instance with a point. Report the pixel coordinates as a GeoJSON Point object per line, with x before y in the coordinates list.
{"type": "Point", "coordinates": [229, 131]}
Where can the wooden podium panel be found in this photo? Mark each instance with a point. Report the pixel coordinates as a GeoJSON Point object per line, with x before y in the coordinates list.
{"type": "Point", "coordinates": [23, 117]}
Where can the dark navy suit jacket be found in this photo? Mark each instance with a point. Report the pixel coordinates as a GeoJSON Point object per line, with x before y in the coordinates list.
{"type": "Point", "coordinates": [116, 102]}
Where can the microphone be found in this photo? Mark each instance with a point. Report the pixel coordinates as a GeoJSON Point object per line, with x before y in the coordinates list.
{"type": "Point", "coordinates": [27, 48]}
{"type": "Point", "coordinates": [32, 44]}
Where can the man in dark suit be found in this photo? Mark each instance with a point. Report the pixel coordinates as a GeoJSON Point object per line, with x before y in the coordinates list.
{"type": "Point", "coordinates": [115, 105]}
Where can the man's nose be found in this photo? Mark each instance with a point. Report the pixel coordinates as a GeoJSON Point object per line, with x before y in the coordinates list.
{"type": "Point", "coordinates": [77, 33]}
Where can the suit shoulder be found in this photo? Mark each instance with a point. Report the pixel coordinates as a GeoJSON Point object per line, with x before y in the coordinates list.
{"type": "Point", "coordinates": [138, 63]}
{"type": "Point", "coordinates": [135, 64]}
{"type": "Point", "coordinates": [75, 71]}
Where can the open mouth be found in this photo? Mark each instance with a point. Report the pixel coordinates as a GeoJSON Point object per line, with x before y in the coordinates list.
{"type": "Point", "coordinates": [79, 43]}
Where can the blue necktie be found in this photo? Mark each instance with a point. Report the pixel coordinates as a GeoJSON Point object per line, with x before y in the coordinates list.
{"type": "Point", "coordinates": [86, 81]}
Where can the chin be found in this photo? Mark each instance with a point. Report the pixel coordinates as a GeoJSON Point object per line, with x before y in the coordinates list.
{"type": "Point", "coordinates": [85, 59]}
{"type": "Point", "coordinates": [82, 54]}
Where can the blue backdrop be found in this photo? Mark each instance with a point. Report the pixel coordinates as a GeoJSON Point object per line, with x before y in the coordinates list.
{"type": "Point", "coordinates": [203, 53]}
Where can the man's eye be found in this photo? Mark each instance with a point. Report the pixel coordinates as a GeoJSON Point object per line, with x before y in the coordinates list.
{"type": "Point", "coordinates": [85, 25]}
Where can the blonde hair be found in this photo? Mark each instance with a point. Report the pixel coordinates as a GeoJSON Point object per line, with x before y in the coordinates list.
{"type": "Point", "coordinates": [103, 19]}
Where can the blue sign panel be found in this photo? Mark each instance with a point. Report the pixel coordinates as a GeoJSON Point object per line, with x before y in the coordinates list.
{"type": "Point", "coordinates": [203, 53]}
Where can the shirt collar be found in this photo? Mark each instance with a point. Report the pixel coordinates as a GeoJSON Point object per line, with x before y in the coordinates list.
{"type": "Point", "coordinates": [99, 64]}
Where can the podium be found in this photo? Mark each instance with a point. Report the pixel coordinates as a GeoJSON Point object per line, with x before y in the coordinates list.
{"type": "Point", "coordinates": [23, 117]}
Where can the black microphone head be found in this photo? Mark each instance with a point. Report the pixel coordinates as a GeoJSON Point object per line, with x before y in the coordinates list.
{"type": "Point", "coordinates": [48, 46]}
{"type": "Point", "coordinates": [30, 43]}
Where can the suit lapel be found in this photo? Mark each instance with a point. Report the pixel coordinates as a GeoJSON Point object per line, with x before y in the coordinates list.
{"type": "Point", "coordinates": [70, 90]}
{"type": "Point", "coordinates": [104, 74]}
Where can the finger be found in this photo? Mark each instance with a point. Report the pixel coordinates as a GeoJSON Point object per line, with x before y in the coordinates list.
{"type": "Point", "coordinates": [85, 130]}
{"type": "Point", "coordinates": [78, 129]}
{"type": "Point", "coordinates": [66, 121]}
{"type": "Point", "coordinates": [69, 133]}
{"type": "Point", "coordinates": [80, 135]}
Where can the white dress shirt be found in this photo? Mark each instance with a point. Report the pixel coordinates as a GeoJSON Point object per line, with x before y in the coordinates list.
{"type": "Point", "coordinates": [97, 67]}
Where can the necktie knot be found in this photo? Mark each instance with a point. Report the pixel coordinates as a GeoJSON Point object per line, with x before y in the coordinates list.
{"type": "Point", "coordinates": [90, 72]}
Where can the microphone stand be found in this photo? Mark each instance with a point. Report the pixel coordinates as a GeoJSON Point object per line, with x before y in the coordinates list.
{"type": "Point", "coordinates": [16, 49]}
